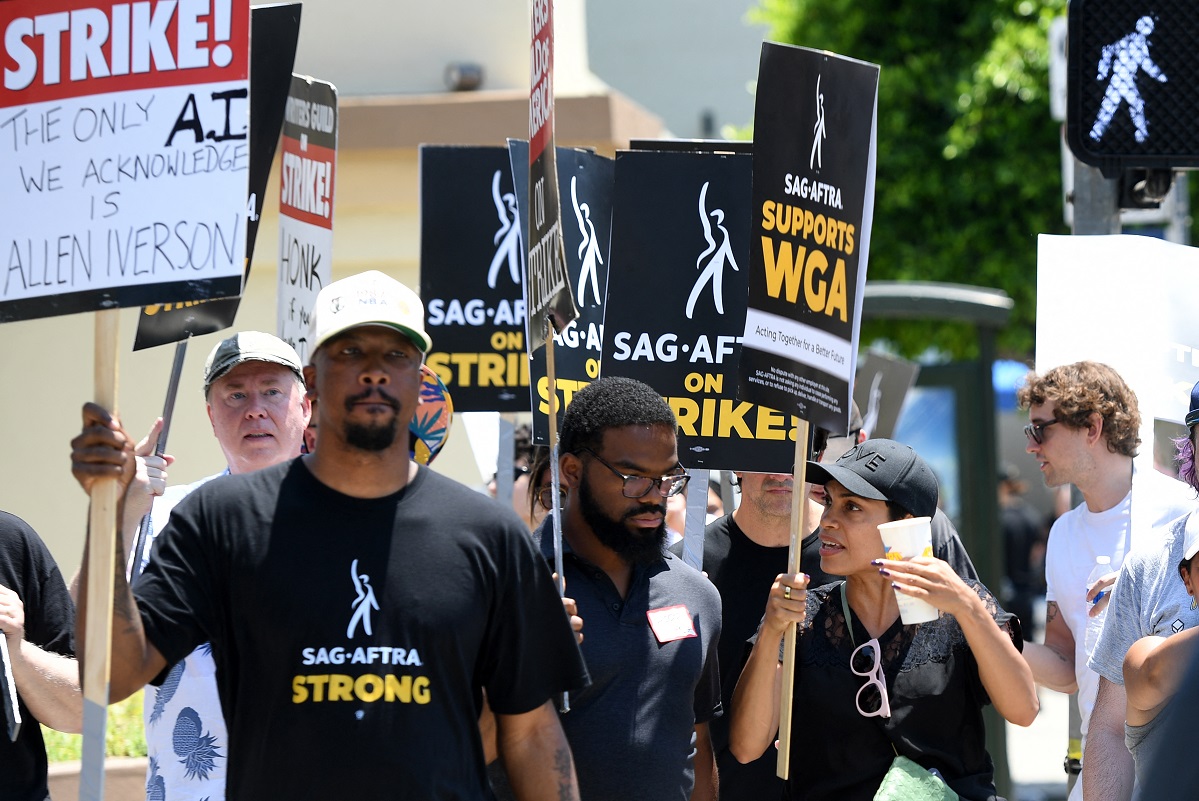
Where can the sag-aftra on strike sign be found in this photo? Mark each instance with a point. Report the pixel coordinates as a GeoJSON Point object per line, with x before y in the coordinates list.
{"type": "Point", "coordinates": [123, 153]}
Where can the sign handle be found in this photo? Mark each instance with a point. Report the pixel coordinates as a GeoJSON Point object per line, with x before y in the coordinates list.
{"type": "Point", "coordinates": [8, 693]}
{"type": "Point", "coordinates": [556, 506]}
{"type": "Point", "coordinates": [145, 528]}
{"type": "Point", "coordinates": [798, 508]}
{"type": "Point", "coordinates": [97, 642]}
{"type": "Point", "coordinates": [697, 514]}
{"type": "Point", "coordinates": [505, 461]}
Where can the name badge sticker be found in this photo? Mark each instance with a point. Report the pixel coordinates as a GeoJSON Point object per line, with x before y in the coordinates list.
{"type": "Point", "coordinates": [671, 623]}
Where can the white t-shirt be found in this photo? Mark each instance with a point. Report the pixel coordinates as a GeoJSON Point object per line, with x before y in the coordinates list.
{"type": "Point", "coordinates": [1080, 535]}
{"type": "Point", "coordinates": [186, 739]}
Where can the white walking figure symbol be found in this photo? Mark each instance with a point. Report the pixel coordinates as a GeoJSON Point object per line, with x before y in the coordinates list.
{"type": "Point", "coordinates": [1122, 60]}
{"type": "Point", "coordinates": [363, 604]}
{"type": "Point", "coordinates": [817, 157]}
{"type": "Point", "coordinates": [509, 248]}
{"type": "Point", "coordinates": [592, 255]}
{"type": "Point", "coordinates": [714, 270]}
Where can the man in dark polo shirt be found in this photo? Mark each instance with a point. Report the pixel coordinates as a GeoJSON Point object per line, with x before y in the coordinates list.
{"type": "Point", "coordinates": [640, 730]}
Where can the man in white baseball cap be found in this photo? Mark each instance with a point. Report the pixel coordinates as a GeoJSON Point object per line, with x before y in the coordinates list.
{"type": "Point", "coordinates": [369, 298]}
{"type": "Point", "coordinates": [358, 604]}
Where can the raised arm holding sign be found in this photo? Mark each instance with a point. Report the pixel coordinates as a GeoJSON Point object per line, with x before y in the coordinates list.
{"type": "Point", "coordinates": [813, 201]}
{"type": "Point", "coordinates": [123, 163]}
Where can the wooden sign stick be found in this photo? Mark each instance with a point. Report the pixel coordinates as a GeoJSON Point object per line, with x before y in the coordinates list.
{"type": "Point", "coordinates": [97, 643]}
{"type": "Point", "coordinates": [798, 508]}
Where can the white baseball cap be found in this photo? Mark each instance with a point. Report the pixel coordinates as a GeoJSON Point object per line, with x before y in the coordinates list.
{"type": "Point", "coordinates": [369, 298]}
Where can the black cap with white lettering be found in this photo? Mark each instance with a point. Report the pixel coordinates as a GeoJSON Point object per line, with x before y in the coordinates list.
{"type": "Point", "coordinates": [883, 470]}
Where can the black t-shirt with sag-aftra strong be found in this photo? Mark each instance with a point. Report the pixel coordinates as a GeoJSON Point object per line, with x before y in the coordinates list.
{"type": "Point", "coordinates": [352, 637]}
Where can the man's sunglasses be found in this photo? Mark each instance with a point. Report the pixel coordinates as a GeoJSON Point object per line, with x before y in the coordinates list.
{"type": "Point", "coordinates": [1036, 431]}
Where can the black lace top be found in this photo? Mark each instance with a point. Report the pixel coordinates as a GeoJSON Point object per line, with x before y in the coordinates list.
{"type": "Point", "coordinates": [936, 699]}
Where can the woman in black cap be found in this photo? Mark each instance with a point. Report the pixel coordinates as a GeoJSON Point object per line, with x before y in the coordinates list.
{"type": "Point", "coordinates": [868, 688]}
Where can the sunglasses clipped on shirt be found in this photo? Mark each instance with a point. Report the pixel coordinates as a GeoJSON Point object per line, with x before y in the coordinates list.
{"type": "Point", "coordinates": [878, 703]}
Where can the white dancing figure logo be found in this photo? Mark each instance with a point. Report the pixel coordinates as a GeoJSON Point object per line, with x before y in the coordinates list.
{"type": "Point", "coordinates": [816, 160]}
{"type": "Point", "coordinates": [507, 239]}
{"type": "Point", "coordinates": [1121, 61]}
{"type": "Point", "coordinates": [588, 249]}
{"type": "Point", "coordinates": [363, 604]}
{"type": "Point", "coordinates": [717, 256]}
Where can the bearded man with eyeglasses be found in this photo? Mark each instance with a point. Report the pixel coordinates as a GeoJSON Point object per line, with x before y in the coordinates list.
{"type": "Point", "coordinates": [1083, 423]}
{"type": "Point", "coordinates": [641, 729]}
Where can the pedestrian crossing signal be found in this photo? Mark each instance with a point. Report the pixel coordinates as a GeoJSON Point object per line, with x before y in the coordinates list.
{"type": "Point", "coordinates": [1133, 97]}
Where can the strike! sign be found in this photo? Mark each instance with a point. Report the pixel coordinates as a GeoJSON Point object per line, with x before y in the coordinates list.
{"type": "Point", "coordinates": [274, 32]}
{"type": "Point", "coordinates": [123, 153]}
{"type": "Point", "coordinates": [547, 290]}
{"type": "Point", "coordinates": [472, 258]}
{"type": "Point", "coordinates": [676, 303]}
{"type": "Point", "coordinates": [306, 205]}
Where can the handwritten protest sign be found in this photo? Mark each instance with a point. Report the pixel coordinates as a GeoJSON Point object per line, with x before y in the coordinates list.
{"type": "Point", "coordinates": [547, 288]}
{"type": "Point", "coordinates": [274, 33]}
{"type": "Point", "coordinates": [306, 205]}
{"type": "Point", "coordinates": [123, 154]}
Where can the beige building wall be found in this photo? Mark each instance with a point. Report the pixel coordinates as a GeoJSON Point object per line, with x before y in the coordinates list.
{"type": "Point", "coordinates": [47, 364]}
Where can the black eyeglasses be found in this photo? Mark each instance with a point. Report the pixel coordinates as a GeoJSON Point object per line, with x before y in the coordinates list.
{"type": "Point", "coordinates": [1036, 431]}
{"type": "Point", "coordinates": [639, 486]}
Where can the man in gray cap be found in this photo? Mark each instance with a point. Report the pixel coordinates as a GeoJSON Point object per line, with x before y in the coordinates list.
{"type": "Point", "coordinates": [258, 407]}
{"type": "Point", "coordinates": [358, 604]}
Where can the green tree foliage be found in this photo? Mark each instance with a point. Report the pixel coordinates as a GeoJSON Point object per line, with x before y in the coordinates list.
{"type": "Point", "coordinates": [969, 165]}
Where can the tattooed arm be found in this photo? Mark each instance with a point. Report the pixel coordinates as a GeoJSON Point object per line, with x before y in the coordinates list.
{"type": "Point", "coordinates": [537, 756]}
{"type": "Point", "coordinates": [1053, 663]}
{"type": "Point", "coordinates": [103, 450]}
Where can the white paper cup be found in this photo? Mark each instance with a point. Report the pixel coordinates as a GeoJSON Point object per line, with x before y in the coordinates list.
{"type": "Point", "coordinates": [906, 539]}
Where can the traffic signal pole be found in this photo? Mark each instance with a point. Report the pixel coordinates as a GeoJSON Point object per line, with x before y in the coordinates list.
{"type": "Point", "coordinates": [1096, 202]}
{"type": "Point", "coordinates": [1096, 212]}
